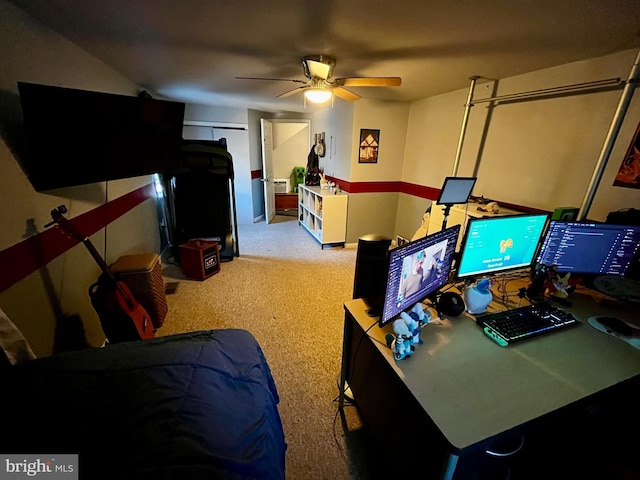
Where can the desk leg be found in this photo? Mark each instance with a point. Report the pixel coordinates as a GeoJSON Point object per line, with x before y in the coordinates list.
{"type": "Point", "coordinates": [346, 354]}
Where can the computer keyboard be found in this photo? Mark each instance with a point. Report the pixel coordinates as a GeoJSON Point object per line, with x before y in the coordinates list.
{"type": "Point", "coordinates": [520, 323]}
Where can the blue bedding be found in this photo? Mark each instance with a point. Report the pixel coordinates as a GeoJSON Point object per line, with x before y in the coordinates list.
{"type": "Point", "coordinates": [190, 406]}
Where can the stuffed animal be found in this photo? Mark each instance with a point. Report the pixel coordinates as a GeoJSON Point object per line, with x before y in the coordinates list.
{"type": "Point", "coordinates": [423, 316]}
{"type": "Point", "coordinates": [415, 320]}
{"type": "Point", "coordinates": [400, 344]}
{"type": "Point", "coordinates": [559, 286]}
{"type": "Point", "coordinates": [323, 181]}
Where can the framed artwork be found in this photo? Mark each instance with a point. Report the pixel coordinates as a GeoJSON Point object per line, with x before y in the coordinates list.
{"type": "Point", "coordinates": [629, 172]}
{"type": "Point", "coordinates": [369, 144]}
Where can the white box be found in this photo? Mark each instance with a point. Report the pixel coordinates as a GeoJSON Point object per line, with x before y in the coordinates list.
{"type": "Point", "coordinates": [281, 185]}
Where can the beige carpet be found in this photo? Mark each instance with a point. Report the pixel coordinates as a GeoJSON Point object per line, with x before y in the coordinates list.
{"type": "Point", "coordinates": [289, 293]}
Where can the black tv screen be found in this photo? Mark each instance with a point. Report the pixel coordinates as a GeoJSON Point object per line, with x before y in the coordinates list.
{"type": "Point", "coordinates": [75, 137]}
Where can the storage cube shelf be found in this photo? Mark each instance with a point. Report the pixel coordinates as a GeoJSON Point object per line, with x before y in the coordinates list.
{"type": "Point", "coordinates": [323, 214]}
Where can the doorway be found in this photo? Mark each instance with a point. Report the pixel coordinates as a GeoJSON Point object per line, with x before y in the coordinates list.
{"type": "Point", "coordinates": [285, 144]}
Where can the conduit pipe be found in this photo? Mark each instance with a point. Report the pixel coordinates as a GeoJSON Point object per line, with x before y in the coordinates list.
{"type": "Point", "coordinates": [623, 106]}
{"type": "Point", "coordinates": [576, 87]}
{"type": "Point", "coordinates": [465, 120]}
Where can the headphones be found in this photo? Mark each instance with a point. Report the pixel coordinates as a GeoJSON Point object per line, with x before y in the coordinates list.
{"type": "Point", "coordinates": [451, 304]}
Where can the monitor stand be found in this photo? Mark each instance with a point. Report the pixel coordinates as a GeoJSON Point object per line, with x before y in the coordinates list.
{"type": "Point", "coordinates": [374, 306]}
{"type": "Point", "coordinates": [374, 312]}
{"type": "Point", "coordinates": [445, 213]}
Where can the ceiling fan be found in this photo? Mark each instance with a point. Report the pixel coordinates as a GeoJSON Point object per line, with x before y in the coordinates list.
{"type": "Point", "coordinates": [319, 87]}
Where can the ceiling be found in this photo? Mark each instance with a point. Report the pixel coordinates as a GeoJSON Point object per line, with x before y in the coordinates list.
{"type": "Point", "coordinates": [192, 50]}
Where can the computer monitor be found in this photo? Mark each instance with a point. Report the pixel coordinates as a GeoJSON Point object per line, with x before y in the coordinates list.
{"type": "Point", "coordinates": [418, 269]}
{"type": "Point", "coordinates": [493, 245]}
{"type": "Point", "coordinates": [589, 248]}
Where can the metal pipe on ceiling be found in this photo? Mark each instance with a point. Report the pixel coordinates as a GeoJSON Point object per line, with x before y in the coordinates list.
{"type": "Point", "coordinates": [465, 120]}
{"type": "Point", "coordinates": [576, 87]}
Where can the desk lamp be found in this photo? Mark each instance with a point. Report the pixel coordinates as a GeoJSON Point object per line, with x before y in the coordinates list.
{"type": "Point", "coordinates": [454, 190]}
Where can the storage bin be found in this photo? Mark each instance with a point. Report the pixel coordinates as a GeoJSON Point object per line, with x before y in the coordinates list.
{"type": "Point", "coordinates": [143, 275]}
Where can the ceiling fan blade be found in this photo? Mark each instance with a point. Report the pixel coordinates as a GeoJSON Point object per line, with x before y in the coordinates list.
{"type": "Point", "coordinates": [369, 81]}
{"type": "Point", "coordinates": [291, 92]}
{"type": "Point", "coordinates": [345, 94]}
{"type": "Point", "coordinates": [276, 79]}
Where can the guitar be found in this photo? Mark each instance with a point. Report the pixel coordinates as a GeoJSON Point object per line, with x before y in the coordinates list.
{"type": "Point", "coordinates": [121, 316]}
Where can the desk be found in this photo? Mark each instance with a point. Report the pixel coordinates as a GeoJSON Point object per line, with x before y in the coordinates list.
{"type": "Point", "coordinates": [465, 391]}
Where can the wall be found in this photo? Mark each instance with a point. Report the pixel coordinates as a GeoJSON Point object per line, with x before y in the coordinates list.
{"type": "Point", "coordinates": [539, 153]}
{"type": "Point", "coordinates": [48, 297]}
{"type": "Point", "coordinates": [372, 187]}
{"type": "Point", "coordinates": [290, 147]}
{"type": "Point", "coordinates": [337, 123]}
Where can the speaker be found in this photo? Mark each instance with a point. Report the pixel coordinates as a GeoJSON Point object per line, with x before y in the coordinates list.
{"type": "Point", "coordinates": [371, 274]}
{"type": "Point", "coordinates": [450, 304]}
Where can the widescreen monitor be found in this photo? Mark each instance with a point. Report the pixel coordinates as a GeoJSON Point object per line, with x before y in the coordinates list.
{"type": "Point", "coordinates": [417, 270]}
{"type": "Point", "coordinates": [589, 248]}
{"type": "Point", "coordinates": [493, 245]}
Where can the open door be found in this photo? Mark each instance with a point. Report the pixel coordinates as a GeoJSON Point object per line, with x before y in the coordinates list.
{"type": "Point", "coordinates": [266, 129]}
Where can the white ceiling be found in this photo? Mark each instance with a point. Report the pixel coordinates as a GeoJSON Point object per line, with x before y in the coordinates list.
{"type": "Point", "coordinates": [192, 50]}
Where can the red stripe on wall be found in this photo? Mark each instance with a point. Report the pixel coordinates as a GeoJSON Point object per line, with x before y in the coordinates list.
{"type": "Point", "coordinates": [421, 191]}
{"type": "Point", "coordinates": [373, 187]}
{"type": "Point", "coordinates": [256, 174]}
{"type": "Point", "coordinates": [26, 257]}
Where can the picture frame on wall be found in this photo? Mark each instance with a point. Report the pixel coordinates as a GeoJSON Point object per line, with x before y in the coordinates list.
{"type": "Point", "coordinates": [629, 172]}
{"type": "Point", "coordinates": [369, 145]}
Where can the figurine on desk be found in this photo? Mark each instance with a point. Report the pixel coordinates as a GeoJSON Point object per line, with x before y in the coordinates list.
{"type": "Point", "coordinates": [407, 331]}
{"type": "Point", "coordinates": [546, 281]}
{"type": "Point", "coordinates": [478, 296]}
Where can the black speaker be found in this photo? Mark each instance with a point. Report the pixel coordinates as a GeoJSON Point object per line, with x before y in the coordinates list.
{"type": "Point", "coordinates": [372, 266]}
{"type": "Point", "coordinates": [451, 304]}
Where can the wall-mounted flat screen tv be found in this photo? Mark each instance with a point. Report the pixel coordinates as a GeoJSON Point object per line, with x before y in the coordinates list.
{"type": "Point", "coordinates": [75, 137]}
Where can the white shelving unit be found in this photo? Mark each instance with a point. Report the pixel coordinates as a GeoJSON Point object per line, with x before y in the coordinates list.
{"type": "Point", "coordinates": [323, 214]}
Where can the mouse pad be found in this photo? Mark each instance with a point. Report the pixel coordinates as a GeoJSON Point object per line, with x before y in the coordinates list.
{"type": "Point", "coordinates": [617, 328]}
{"type": "Point", "coordinates": [619, 287]}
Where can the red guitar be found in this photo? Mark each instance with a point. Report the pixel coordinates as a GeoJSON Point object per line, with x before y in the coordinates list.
{"type": "Point", "coordinates": [121, 316]}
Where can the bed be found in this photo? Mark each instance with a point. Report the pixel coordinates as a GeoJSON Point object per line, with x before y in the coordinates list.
{"type": "Point", "coordinates": [190, 406]}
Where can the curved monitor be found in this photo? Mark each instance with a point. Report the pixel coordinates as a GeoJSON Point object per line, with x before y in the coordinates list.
{"type": "Point", "coordinates": [494, 245]}
{"type": "Point", "coordinates": [418, 269]}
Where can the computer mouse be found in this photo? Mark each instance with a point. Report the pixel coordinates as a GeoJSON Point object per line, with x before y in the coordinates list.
{"type": "Point", "coordinates": [617, 325]}
{"type": "Point", "coordinates": [617, 328]}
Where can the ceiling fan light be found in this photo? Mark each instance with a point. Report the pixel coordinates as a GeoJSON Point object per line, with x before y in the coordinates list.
{"type": "Point", "coordinates": [317, 95]}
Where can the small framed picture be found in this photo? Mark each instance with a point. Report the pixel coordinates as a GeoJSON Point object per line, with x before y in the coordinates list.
{"type": "Point", "coordinates": [369, 144]}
